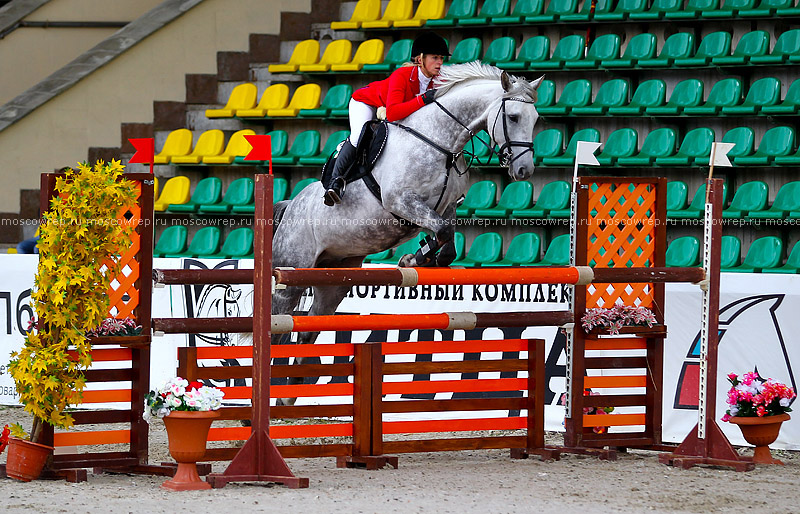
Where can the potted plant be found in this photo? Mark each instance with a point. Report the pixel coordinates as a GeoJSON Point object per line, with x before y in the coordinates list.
{"type": "Point", "coordinates": [81, 239]}
{"type": "Point", "coordinates": [188, 409]}
{"type": "Point", "coordinates": [759, 407]}
{"type": "Point", "coordinates": [617, 317]}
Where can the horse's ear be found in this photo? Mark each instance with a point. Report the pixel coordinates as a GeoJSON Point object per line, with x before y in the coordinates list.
{"type": "Point", "coordinates": [535, 83]}
{"type": "Point", "coordinates": [505, 80]}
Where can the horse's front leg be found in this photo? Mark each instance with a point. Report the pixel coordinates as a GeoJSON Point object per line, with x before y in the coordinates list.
{"type": "Point", "coordinates": [409, 205]}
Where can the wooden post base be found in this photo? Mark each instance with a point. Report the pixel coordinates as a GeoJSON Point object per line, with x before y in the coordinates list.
{"type": "Point", "coordinates": [544, 454]}
{"type": "Point", "coordinates": [714, 450]}
{"type": "Point", "coordinates": [72, 475]}
{"type": "Point", "coordinates": [367, 462]}
{"type": "Point", "coordinates": [218, 480]}
{"type": "Point", "coordinates": [600, 453]}
{"type": "Point", "coordinates": [686, 462]}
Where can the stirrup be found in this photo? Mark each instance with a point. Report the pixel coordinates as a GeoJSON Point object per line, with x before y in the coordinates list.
{"type": "Point", "coordinates": [334, 194]}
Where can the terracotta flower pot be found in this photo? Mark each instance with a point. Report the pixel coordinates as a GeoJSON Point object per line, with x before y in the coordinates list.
{"type": "Point", "coordinates": [26, 459]}
{"type": "Point", "coordinates": [187, 432]}
{"type": "Point", "coordinates": [761, 432]}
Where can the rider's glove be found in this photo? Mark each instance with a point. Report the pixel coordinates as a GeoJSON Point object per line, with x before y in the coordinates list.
{"type": "Point", "coordinates": [428, 96]}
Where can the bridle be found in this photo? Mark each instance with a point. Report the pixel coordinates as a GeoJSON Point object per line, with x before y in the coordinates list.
{"type": "Point", "coordinates": [504, 153]}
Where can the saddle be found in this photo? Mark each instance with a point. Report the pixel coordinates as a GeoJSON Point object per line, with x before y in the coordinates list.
{"type": "Point", "coordinates": [369, 149]}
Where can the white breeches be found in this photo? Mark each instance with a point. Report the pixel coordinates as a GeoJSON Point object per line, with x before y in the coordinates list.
{"type": "Point", "coordinates": [360, 113]}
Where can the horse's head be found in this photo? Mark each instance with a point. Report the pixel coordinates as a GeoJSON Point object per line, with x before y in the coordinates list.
{"type": "Point", "coordinates": [511, 125]}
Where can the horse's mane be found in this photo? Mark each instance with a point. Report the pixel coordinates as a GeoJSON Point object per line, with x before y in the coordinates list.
{"type": "Point", "coordinates": [453, 75]}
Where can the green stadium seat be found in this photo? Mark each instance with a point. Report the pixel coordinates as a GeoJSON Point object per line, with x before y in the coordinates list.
{"type": "Point", "coordinates": [724, 93]}
{"type": "Point", "coordinates": [302, 185]}
{"type": "Point", "coordinates": [612, 93]}
{"type": "Point", "coordinates": [621, 143]}
{"type": "Point", "coordinates": [657, 10]}
{"type": "Point", "coordinates": [696, 144]}
{"type": "Point", "coordinates": [640, 47]}
{"type": "Point", "coordinates": [485, 249]}
{"type": "Point", "coordinates": [330, 146]}
{"type": "Point", "coordinates": [750, 196]}
{"type": "Point", "coordinates": [729, 9]}
{"type": "Point", "coordinates": [275, 96]}
{"type": "Point", "coordinates": [683, 252]}
{"type": "Point", "coordinates": [650, 93]}
{"type": "Point", "coordinates": [459, 241]}
{"type": "Point", "coordinates": [577, 93]}
{"type": "Point", "coordinates": [603, 47]}
{"type": "Point", "coordinates": [730, 252]}
{"type": "Point", "coordinates": [239, 193]}
{"type": "Point", "coordinates": [678, 46]}
{"type": "Point", "coordinates": [568, 157]}
{"type": "Point", "coordinates": [280, 187]}
{"type": "Point", "coordinates": [480, 195]}
{"type": "Point", "coordinates": [426, 10]}
{"type": "Point", "coordinates": [365, 10]}
{"type": "Point", "coordinates": [569, 48]}
{"type": "Point", "coordinates": [788, 11]}
{"type": "Point", "coordinates": [585, 14]}
{"type": "Point", "coordinates": [792, 262]}
{"type": "Point", "coordinates": [306, 144]}
{"type": "Point", "coordinates": [658, 143]}
{"type": "Point", "coordinates": [489, 10]}
{"type": "Point", "coordinates": [786, 47]}
{"type": "Point", "coordinates": [788, 160]}
{"type": "Point", "coordinates": [408, 247]}
{"type": "Point", "coordinates": [171, 241]}
{"type": "Point", "coordinates": [547, 143]}
{"type": "Point", "coordinates": [534, 50]}
{"type": "Point", "coordinates": [694, 10]}
{"type": "Point", "coordinates": [557, 253]}
{"type": "Point", "coordinates": [698, 205]}
{"type": "Point", "coordinates": [337, 97]}
{"type": "Point", "coordinates": [279, 141]}
{"type": "Point", "coordinates": [395, 10]}
{"type": "Point", "coordinates": [790, 103]}
{"type": "Point", "coordinates": [458, 9]}
{"type": "Point", "coordinates": [622, 11]}
{"type": "Point", "coordinates": [786, 200]}
{"type": "Point", "coordinates": [467, 50]}
{"type": "Point", "coordinates": [716, 44]}
{"type": "Point", "coordinates": [477, 149]}
{"type": "Point", "coordinates": [524, 249]}
{"type": "Point", "coordinates": [206, 192]}
{"type": "Point", "coordinates": [210, 142]}
{"type": "Point", "coordinates": [677, 193]}
{"type": "Point", "coordinates": [742, 137]}
{"type": "Point", "coordinates": [777, 141]}
{"type": "Point", "coordinates": [243, 96]}
{"type": "Point", "coordinates": [766, 91]}
{"type": "Point", "coordinates": [767, 8]}
{"type": "Point", "coordinates": [751, 44]}
{"type": "Point", "coordinates": [545, 93]}
{"type": "Point", "coordinates": [398, 53]}
{"type": "Point", "coordinates": [764, 252]}
{"type": "Point", "coordinates": [522, 9]}
{"type": "Point", "coordinates": [205, 243]}
{"type": "Point", "coordinates": [516, 195]}
{"type": "Point", "coordinates": [555, 9]}
{"type": "Point", "coordinates": [238, 245]}
{"type": "Point", "coordinates": [554, 196]}
{"type": "Point", "coordinates": [500, 50]}
{"type": "Point", "coordinates": [687, 93]}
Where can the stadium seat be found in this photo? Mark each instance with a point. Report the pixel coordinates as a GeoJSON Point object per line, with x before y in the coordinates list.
{"type": "Point", "coordinates": [305, 97]}
{"type": "Point", "coordinates": [368, 52]}
{"type": "Point", "coordinates": [557, 253]}
{"type": "Point", "coordinates": [766, 91]}
{"type": "Point", "coordinates": [750, 196]}
{"type": "Point", "coordinates": [697, 207]}
{"type": "Point", "coordinates": [547, 143]}
{"type": "Point", "coordinates": [398, 53]}
{"type": "Point", "coordinates": [275, 96]}
{"type": "Point", "coordinates": [179, 142]}
{"type": "Point", "coordinates": [776, 142]}
{"type": "Point", "coordinates": [238, 146]}
{"type": "Point", "coordinates": [677, 194]}
{"type": "Point", "coordinates": [205, 243]}
{"type": "Point", "coordinates": [306, 144]}
{"type": "Point", "coordinates": [751, 44]}
{"type": "Point", "coordinates": [524, 249]}
{"type": "Point", "coordinates": [476, 151]}
{"type": "Point", "coordinates": [764, 252]}
{"type": "Point", "coordinates": [683, 252]}
{"type": "Point", "coordinates": [585, 13]}
{"type": "Point", "coordinates": [243, 96]}
{"type": "Point", "coordinates": [766, 8]}
{"type": "Point", "coordinates": [696, 144]}
{"type": "Point", "coordinates": [724, 93]}
{"type": "Point", "coordinates": [621, 143]}
{"type": "Point", "coordinates": [489, 10]}
{"type": "Point", "coordinates": [792, 262]}
{"type": "Point", "coordinates": [426, 10]}
{"type": "Point", "coordinates": [729, 9]}
{"type": "Point", "coordinates": [210, 142]}
{"type": "Point", "coordinates": [239, 193]}
{"type": "Point", "coordinates": [365, 10]}
{"type": "Point", "coordinates": [730, 252]}
{"type": "Point", "coordinates": [553, 197]}
{"type": "Point", "coordinates": [279, 142]}
{"type": "Point", "coordinates": [545, 93]}
{"type": "Point", "coordinates": [555, 9]}
{"type": "Point", "coordinates": [790, 103]}
{"type": "Point", "coordinates": [786, 47]}
{"type": "Point", "coordinates": [622, 11]}
{"type": "Point", "coordinates": [787, 199]}
{"type": "Point", "coordinates": [279, 190]}
{"type": "Point", "coordinates": [612, 93]}
{"type": "Point", "coordinates": [649, 93]}
{"type": "Point", "coordinates": [298, 187]}
{"type": "Point", "coordinates": [516, 195]}
{"type": "Point", "coordinates": [789, 10]}
{"type": "Point", "coordinates": [395, 10]}
{"type": "Point", "coordinates": [304, 53]}
{"type": "Point", "coordinates": [330, 147]}
{"type": "Point", "coordinates": [176, 191]}
{"type": "Point", "coordinates": [338, 51]}
{"type": "Point", "coordinates": [568, 157]}
{"type": "Point", "coordinates": [237, 245]}
{"type": "Point", "coordinates": [640, 47]}
{"type": "Point", "coordinates": [207, 191]}
{"type": "Point", "coordinates": [480, 195]}
{"type": "Point", "coordinates": [687, 93]}
{"type": "Point", "coordinates": [337, 98]}
{"type": "Point", "coordinates": [577, 93]}
{"type": "Point", "coordinates": [678, 46]}
{"type": "Point", "coordinates": [486, 248]}
{"type": "Point", "coordinates": [500, 50]}
{"type": "Point", "coordinates": [533, 50]}
{"type": "Point", "coordinates": [657, 10]}
{"type": "Point", "coordinates": [658, 143]}
{"type": "Point", "coordinates": [522, 9]}
{"type": "Point", "coordinates": [458, 9]}
{"type": "Point", "coordinates": [742, 137]}
{"type": "Point", "coordinates": [467, 50]}
{"type": "Point", "coordinates": [171, 241]}
{"type": "Point", "coordinates": [693, 10]}
{"type": "Point", "coordinates": [569, 48]}
{"type": "Point", "coordinates": [408, 247]}
{"type": "Point", "coordinates": [716, 44]}
{"type": "Point", "coordinates": [603, 47]}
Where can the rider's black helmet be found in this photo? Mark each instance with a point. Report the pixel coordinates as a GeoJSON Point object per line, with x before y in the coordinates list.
{"type": "Point", "coordinates": [429, 43]}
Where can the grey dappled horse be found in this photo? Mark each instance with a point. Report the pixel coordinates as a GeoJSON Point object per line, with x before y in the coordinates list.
{"type": "Point", "coordinates": [416, 184]}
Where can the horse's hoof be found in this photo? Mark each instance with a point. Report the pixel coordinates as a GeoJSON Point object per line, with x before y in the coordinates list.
{"type": "Point", "coordinates": [406, 261]}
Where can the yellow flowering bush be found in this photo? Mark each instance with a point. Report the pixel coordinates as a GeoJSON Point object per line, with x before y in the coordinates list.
{"type": "Point", "coordinates": [81, 240]}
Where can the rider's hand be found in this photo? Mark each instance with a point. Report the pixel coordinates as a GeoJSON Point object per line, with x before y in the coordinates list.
{"type": "Point", "coordinates": [428, 96]}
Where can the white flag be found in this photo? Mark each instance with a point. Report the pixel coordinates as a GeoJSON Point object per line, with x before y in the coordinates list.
{"type": "Point", "coordinates": [584, 154]}
{"type": "Point", "coordinates": [719, 154]}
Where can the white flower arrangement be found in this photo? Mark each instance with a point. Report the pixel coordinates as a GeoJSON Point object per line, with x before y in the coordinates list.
{"type": "Point", "coordinates": [181, 395]}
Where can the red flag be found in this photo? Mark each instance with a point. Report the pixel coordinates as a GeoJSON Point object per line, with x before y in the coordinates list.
{"type": "Point", "coordinates": [262, 149]}
{"type": "Point", "coordinates": [145, 151]}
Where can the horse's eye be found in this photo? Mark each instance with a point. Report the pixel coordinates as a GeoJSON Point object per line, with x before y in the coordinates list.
{"type": "Point", "coordinates": [513, 118]}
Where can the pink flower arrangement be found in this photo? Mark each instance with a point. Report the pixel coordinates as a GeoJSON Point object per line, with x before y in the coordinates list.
{"type": "Point", "coordinates": [753, 396]}
{"type": "Point", "coordinates": [116, 327]}
{"type": "Point", "coordinates": [591, 410]}
{"type": "Point", "coordinates": [617, 317]}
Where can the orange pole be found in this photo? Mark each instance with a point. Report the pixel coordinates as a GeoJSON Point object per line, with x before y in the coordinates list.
{"type": "Point", "coordinates": [482, 276]}
{"type": "Point", "coordinates": [348, 322]}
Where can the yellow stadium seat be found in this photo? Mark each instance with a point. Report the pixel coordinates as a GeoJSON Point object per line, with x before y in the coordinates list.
{"type": "Point", "coordinates": [338, 51]}
{"type": "Point", "coordinates": [176, 190]}
{"type": "Point", "coordinates": [210, 142]}
{"type": "Point", "coordinates": [396, 10]}
{"type": "Point", "coordinates": [306, 97]}
{"type": "Point", "coordinates": [237, 145]}
{"type": "Point", "coordinates": [368, 52]}
{"type": "Point", "coordinates": [275, 97]}
{"type": "Point", "coordinates": [366, 10]}
{"type": "Point", "coordinates": [155, 187]}
{"type": "Point", "coordinates": [179, 142]}
{"type": "Point", "coordinates": [243, 96]}
{"type": "Point", "coordinates": [427, 10]}
{"type": "Point", "coordinates": [305, 52]}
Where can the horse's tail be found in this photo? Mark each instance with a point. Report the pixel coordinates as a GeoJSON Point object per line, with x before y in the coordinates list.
{"type": "Point", "coordinates": [277, 213]}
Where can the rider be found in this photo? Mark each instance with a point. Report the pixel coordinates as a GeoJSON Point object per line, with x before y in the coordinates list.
{"type": "Point", "coordinates": [406, 90]}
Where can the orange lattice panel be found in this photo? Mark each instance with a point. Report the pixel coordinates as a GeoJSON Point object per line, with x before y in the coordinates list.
{"type": "Point", "coordinates": [123, 294]}
{"type": "Point", "coordinates": [621, 233]}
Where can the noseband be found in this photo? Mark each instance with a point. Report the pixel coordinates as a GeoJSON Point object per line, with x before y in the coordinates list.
{"type": "Point", "coordinates": [505, 153]}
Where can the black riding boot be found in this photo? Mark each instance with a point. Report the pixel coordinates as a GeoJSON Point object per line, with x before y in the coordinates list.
{"type": "Point", "coordinates": [345, 159]}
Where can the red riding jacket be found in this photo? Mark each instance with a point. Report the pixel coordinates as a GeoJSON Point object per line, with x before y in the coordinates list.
{"type": "Point", "coordinates": [399, 93]}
